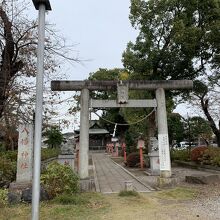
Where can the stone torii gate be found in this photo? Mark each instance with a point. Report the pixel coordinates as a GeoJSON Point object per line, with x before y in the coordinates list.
{"type": "Point", "coordinates": [159, 86]}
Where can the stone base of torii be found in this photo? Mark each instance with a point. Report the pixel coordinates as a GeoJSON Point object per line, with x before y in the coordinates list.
{"type": "Point", "coordinates": [122, 87]}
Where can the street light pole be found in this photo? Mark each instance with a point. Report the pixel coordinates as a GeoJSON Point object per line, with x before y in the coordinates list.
{"type": "Point", "coordinates": [41, 6]}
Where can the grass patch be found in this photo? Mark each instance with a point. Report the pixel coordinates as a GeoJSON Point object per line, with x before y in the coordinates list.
{"type": "Point", "coordinates": [89, 206]}
{"type": "Point", "coordinates": [95, 206]}
{"type": "Point", "coordinates": [125, 193]}
{"type": "Point", "coordinates": [76, 199]}
{"type": "Point", "coordinates": [179, 193]}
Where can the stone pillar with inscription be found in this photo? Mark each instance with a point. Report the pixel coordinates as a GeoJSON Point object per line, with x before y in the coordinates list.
{"type": "Point", "coordinates": [163, 141]}
{"type": "Point", "coordinates": [25, 154]}
{"type": "Point", "coordinates": [24, 164]}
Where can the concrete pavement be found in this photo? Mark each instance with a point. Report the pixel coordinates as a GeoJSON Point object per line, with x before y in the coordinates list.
{"type": "Point", "coordinates": [111, 177]}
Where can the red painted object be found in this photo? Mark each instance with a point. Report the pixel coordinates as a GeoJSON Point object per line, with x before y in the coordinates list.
{"type": "Point", "coordinates": [141, 158]}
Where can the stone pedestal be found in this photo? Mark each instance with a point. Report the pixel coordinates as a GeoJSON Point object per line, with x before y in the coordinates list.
{"type": "Point", "coordinates": [154, 163]}
{"type": "Point", "coordinates": [128, 185]}
{"type": "Point", "coordinates": [15, 191]}
{"type": "Point", "coordinates": [166, 182]}
{"type": "Point", "coordinates": [22, 192]}
{"type": "Point", "coordinates": [66, 160]}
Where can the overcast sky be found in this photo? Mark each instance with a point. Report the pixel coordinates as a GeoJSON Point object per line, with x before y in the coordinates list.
{"type": "Point", "coordinates": [100, 28]}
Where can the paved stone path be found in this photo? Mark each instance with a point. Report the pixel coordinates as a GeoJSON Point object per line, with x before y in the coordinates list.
{"type": "Point", "coordinates": [111, 177]}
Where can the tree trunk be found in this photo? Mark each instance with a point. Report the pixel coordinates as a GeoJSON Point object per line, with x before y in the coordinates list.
{"type": "Point", "coordinates": [8, 66]}
{"type": "Point", "coordinates": [9, 133]}
{"type": "Point", "coordinates": [205, 106]}
{"type": "Point", "coordinates": [151, 131]}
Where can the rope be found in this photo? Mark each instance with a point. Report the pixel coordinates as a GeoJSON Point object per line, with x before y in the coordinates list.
{"type": "Point", "coordinates": [133, 123]}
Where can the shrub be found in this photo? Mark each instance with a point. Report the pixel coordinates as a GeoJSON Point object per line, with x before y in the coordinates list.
{"type": "Point", "coordinates": [211, 156]}
{"type": "Point", "coordinates": [182, 155]}
{"type": "Point", "coordinates": [47, 153]}
{"type": "Point", "coordinates": [2, 147]}
{"type": "Point", "coordinates": [216, 161]}
{"type": "Point", "coordinates": [124, 193]}
{"type": "Point", "coordinates": [133, 159]}
{"type": "Point", "coordinates": [66, 199]}
{"type": "Point", "coordinates": [3, 197]}
{"type": "Point", "coordinates": [197, 153]}
{"type": "Point", "coordinates": [7, 172]}
{"type": "Point", "coordinates": [59, 179]}
{"type": "Point", "coordinates": [9, 155]}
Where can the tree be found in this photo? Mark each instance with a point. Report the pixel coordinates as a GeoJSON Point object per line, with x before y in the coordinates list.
{"type": "Point", "coordinates": [176, 40]}
{"type": "Point", "coordinates": [54, 137]}
{"type": "Point", "coordinates": [18, 43]}
{"type": "Point", "coordinates": [200, 128]}
{"type": "Point", "coordinates": [126, 116]}
{"type": "Point", "coordinates": [175, 128]}
{"type": "Point", "coordinates": [207, 97]}
{"type": "Point", "coordinates": [114, 115]}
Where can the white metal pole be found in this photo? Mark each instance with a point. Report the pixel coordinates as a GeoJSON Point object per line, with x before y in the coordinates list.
{"type": "Point", "coordinates": [38, 113]}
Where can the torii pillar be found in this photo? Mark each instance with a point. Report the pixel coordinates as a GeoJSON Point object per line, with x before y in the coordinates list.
{"type": "Point", "coordinates": [84, 135]}
{"type": "Point", "coordinates": [163, 139]}
{"type": "Point", "coordinates": [154, 85]}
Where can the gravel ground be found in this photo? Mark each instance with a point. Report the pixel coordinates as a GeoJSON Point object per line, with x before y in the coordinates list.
{"type": "Point", "coordinates": [206, 206]}
{"type": "Point", "coordinates": [207, 203]}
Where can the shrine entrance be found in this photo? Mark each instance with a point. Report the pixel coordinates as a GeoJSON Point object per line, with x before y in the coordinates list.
{"type": "Point", "coordinates": [122, 88]}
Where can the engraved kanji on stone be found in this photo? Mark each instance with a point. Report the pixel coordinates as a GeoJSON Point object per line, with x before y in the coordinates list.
{"type": "Point", "coordinates": [24, 154]}
{"type": "Point", "coordinates": [24, 141]}
{"type": "Point", "coordinates": [25, 130]}
{"type": "Point", "coordinates": [24, 165]}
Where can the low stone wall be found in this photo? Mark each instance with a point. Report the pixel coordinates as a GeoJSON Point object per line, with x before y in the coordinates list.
{"type": "Point", "coordinates": [197, 166]}
{"type": "Point", "coordinates": [45, 163]}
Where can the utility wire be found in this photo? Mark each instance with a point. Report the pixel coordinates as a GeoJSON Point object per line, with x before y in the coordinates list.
{"type": "Point", "coordinates": [133, 123]}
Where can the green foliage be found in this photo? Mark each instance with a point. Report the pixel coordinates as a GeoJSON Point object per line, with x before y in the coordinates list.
{"type": "Point", "coordinates": [199, 88]}
{"type": "Point", "coordinates": [116, 114]}
{"type": "Point", "coordinates": [2, 147]}
{"type": "Point", "coordinates": [129, 142]}
{"type": "Point", "coordinates": [9, 155]}
{"type": "Point", "coordinates": [3, 197]}
{"type": "Point", "coordinates": [47, 153]}
{"type": "Point", "coordinates": [55, 137]}
{"type": "Point", "coordinates": [58, 179]}
{"type": "Point", "coordinates": [182, 155]}
{"type": "Point", "coordinates": [197, 153]}
{"type": "Point", "coordinates": [76, 199]}
{"type": "Point", "coordinates": [8, 168]}
{"type": "Point", "coordinates": [125, 193]}
{"type": "Point", "coordinates": [175, 127]}
{"type": "Point", "coordinates": [172, 34]}
{"type": "Point", "coordinates": [211, 156]}
{"type": "Point", "coordinates": [199, 127]}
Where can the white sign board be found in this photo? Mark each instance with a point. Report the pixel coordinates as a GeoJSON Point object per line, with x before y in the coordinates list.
{"type": "Point", "coordinates": [164, 152]}
{"type": "Point", "coordinates": [114, 139]}
{"type": "Point", "coordinates": [25, 153]}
